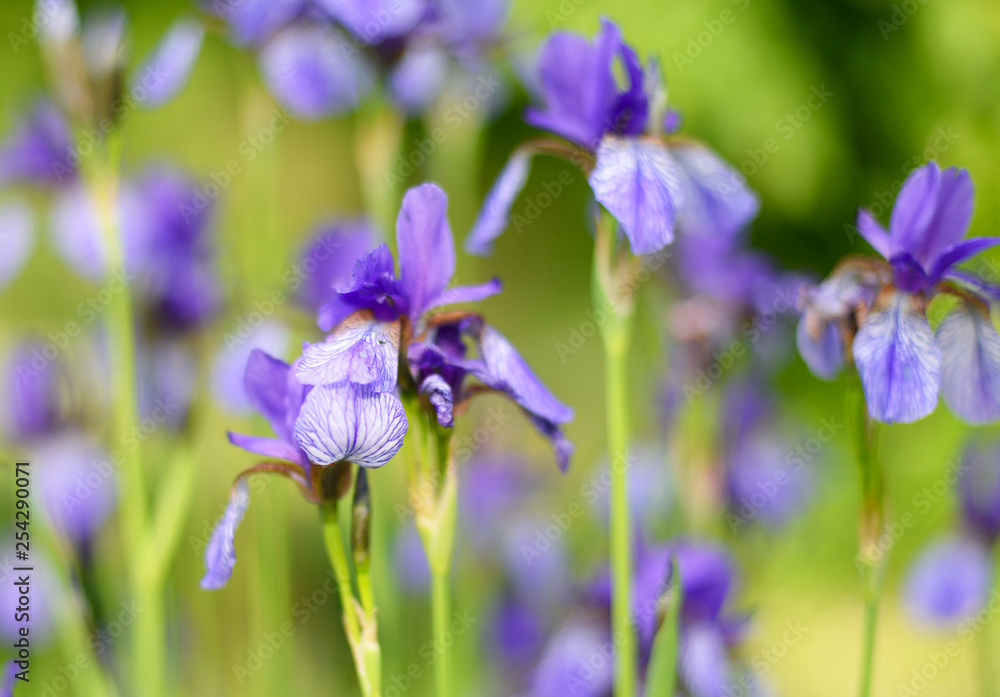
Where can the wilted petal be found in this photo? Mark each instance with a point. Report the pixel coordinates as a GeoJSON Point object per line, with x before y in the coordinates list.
{"type": "Point", "coordinates": [717, 200]}
{"type": "Point", "coordinates": [313, 71]}
{"type": "Point", "coordinates": [346, 423]}
{"type": "Point", "coordinates": [874, 233]}
{"type": "Point", "coordinates": [639, 183]}
{"type": "Point", "coordinates": [970, 365]}
{"type": "Point", "coordinates": [899, 361]}
{"type": "Point", "coordinates": [492, 219]}
{"type": "Point", "coordinates": [949, 582]}
{"type": "Point", "coordinates": [363, 351]}
{"type": "Point", "coordinates": [426, 250]}
{"type": "Point", "coordinates": [17, 237]}
{"type": "Point", "coordinates": [438, 391]}
{"type": "Point", "coordinates": [824, 354]}
{"type": "Point", "coordinates": [220, 554]}
{"type": "Point", "coordinates": [167, 70]}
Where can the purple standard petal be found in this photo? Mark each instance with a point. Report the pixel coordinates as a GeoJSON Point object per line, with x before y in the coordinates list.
{"type": "Point", "coordinates": [979, 491]}
{"type": "Point", "coordinates": [949, 582]}
{"type": "Point", "coordinates": [37, 151]}
{"type": "Point", "coordinates": [426, 250]}
{"type": "Point", "coordinates": [17, 236]}
{"type": "Point", "coordinates": [363, 351]}
{"type": "Point", "coordinates": [265, 384]}
{"type": "Point", "coordinates": [313, 71]}
{"type": "Point", "coordinates": [346, 423]}
{"type": "Point", "coordinates": [492, 218]}
{"type": "Point", "coordinates": [220, 554]}
{"type": "Point", "coordinates": [578, 85]}
{"type": "Point", "coordinates": [822, 352]}
{"type": "Point", "coordinates": [438, 391]}
{"type": "Point", "coordinates": [76, 480]}
{"type": "Point", "coordinates": [328, 260]}
{"type": "Point", "coordinates": [166, 71]}
{"type": "Point", "coordinates": [898, 360]}
{"type": "Point", "coordinates": [932, 212]}
{"type": "Point", "coordinates": [717, 200]}
{"type": "Point", "coordinates": [372, 286]}
{"type": "Point", "coordinates": [640, 184]}
{"type": "Point", "coordinates": [970, 364]}
{"type": "Point", "coordinates": [874, 233]}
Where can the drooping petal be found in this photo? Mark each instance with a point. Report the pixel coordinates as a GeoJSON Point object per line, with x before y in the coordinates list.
{"type": "Point", "coordinates": [363, 351]}
{"type": "Point", "coordinates": [467, 294]}
{"type": "Point", "coordinates": [507, 372]}
{"type": "Point", "coordinates": [932, 212]}
{"type": "Point", "coordinates": [220, 554]}
{"type": "Point", "coordinates": [346, 423]}
{"type": "Point", "coordinates": [268, 447]}
{"type": "Point", "coordinates": [438, 391]}
{"type": "Point", "coordinates": [313, 71]}
{"type": "Point", "coordinates": [874, 233]}
{"type": "Point", "coordinates": [717, 200]}
{"type": "Point", "coordinates": [949, 582]}
{"type": "Point", "coordinates": [970, 365]}
{"type": "Point", "coordinates": [167, 70]}
{"type": "Point", "coordinates": [639, 183]}
{"type": "Point", "coordinates": [17, 236]}
{"type": "Point", "coordinates": [959, 252]}
{"type": "Point", "coordinates": [899, 361]}
{"type": "Point", "coordinates": [492, 218]}
{"type": "Point", "coordinates": [426, 250]}
{"type": "Point", "coordinates": [823, 353]}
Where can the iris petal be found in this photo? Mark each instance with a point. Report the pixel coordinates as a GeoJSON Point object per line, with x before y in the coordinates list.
{"type": "Point", "coordinates": [874, 233]}
{"type": "Point", "coordinates": [220, 554]}
{"type": "Point", "coordinates": [492, 219]}
{"type": "Point", "coordinates": [167, 70]}
{"type": "Point", "coordinates": [640, 184]}
{"type": "Point", "coordinates": [717, 200]}
{"type": "Point", "coordinates": [824, 353]}
{"type": "Point", "coordinates": [345, 423]}
{"type": "Point", "coordinates": [438, 391]}
{"type": "Point", "coordinates": [268, 447]}
{"type": "Point", "coordinates": [949, 582]}
{"type": "Point", "coordinates": [363, 351]}
{"type": "Point", "coordinates": [266, 384]}
{"type": "Point", "coordinates": [426, 249]}
{"type": "Point", "coordinates": [16, 238]}
{"type": "Point", "coordinates": [899, 362]}
{"type": "Point", "coordinates": [970, 365]}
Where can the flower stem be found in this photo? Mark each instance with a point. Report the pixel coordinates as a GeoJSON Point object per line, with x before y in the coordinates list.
{"type": "Point", "coordinates": [616, 333]}
{"type": "Point", "coordinates": [441, 609]}
{"type": "Point", "coordinates": [342, 571]}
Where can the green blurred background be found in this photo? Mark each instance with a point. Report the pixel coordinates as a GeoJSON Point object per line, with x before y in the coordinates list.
{"type": "Point", "coordinates": [736, 70]}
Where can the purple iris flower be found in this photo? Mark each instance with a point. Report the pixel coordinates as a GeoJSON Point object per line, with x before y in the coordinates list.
{"type": "Point", "coordinates": [41, 140]}
{"type": "Point", "coordinates": [950, 581]}
{"type": "Point", "coordinates": [32, 388]}
{"type": "Point", "coordinates": [380, 319]}
{"type": "Point", "coordinates": [651, 184]}
{"type": "Point", "coordinates": [902, 361]}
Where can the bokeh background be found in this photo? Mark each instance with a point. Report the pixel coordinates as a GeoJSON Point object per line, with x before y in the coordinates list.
{"type": "Point", "coordinates": [899, 92]}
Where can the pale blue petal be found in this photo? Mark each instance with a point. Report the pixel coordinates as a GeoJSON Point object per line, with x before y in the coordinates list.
{"type": "Point", "coordinates": [363, 351]}
{"type": "Point", "coordinates": [639, 183]}
{"type": "Point", "coordinates": [167, 70]}
{"type": "Point", "coordinates": [17, 237]}
{"type": "Point", "coordinates": [970, 365]}
{"type": "Point", "coordinates": [717, 200]}
{"type": "Point", "coordinates": [345, 423]}
{"type": "Point", "coordinates": [821, 347]}
{"type": "Point", "coordinates": [220, 554]}
{"type": "Point", "coordinates": [899, 361]}
{"type": "Point", "coordinates": [492, 219]}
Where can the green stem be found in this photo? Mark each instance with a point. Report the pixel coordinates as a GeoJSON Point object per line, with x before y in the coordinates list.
{"type": "Point", "coordinates": [441, 610]}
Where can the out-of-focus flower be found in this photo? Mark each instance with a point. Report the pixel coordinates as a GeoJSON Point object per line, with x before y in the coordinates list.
{"type": "Point", "coordinates": [231, 360]}
{"type": "Point", "coordinates": [950, 581]}
{"type": "Point", "coordinates": [32, 407]}
{"type": "Point", "coordinates": [40, 140]}
{"type": "Point", "coordinates": [412, 569]}
{"type": "Point", "coordinates": [76, 481]}
{"type": "Point", "coordinates": [379, 317]}
{"type": "Point", "coordinates": [650, 183]}
{"type": "Point", "coordinates": [328, 260]}
{"type": "Point", "coordinates": [16, 238]}
{"type": "Point", "coordinates": [902, 362]}
{"type": "Point", "coordinates": [979, 491]}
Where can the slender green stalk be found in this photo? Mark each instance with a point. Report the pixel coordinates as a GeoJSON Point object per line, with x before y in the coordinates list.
{"type": "Point", "coordinates": [444, 670]}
